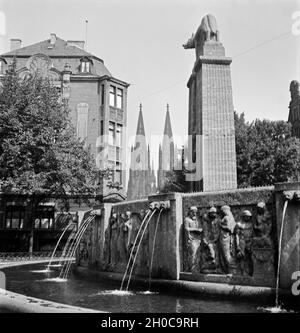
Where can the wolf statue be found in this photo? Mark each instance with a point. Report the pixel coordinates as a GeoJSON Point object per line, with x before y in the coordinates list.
{"type": "Point", "coordinates": [207, 31]}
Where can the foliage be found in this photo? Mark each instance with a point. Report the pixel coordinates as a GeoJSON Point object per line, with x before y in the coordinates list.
{"type": "Point", "coordinates": [266, 151]}
{"type": "Point", "coordinates": [39, 151]}
{"type": "Point", "coordinates": [175, 182]}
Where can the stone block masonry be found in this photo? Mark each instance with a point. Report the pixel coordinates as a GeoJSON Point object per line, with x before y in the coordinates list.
{"type": "Point", "coordinates": [211, 113]}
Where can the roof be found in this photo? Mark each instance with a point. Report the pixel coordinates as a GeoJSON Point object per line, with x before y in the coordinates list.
{"type": "Point", "coordinates": [60, 49]}
{"type": "Point", "coordinates": [168, 127]}
{"type": "Point", "coordinates": [140, 130]}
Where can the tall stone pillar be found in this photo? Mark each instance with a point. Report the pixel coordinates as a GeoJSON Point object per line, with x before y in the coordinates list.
{"type": "Point", "coordinates": [211, 117]}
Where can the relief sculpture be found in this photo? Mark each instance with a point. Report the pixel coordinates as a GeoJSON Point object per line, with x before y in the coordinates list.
{"type": "Point", "coordinates": [217, 243]}
{"type": "Point", "coordinates": [226, 240]}
{"type": "Point", "coordinates": [192, 237]}
{"type": "Point", "coordinates": [210, 238]}
{"type": "Point", "coordinates": [263, 248]}
{"type": "Point", "coordinates": [119, 241]}
{"type": "Point", "coordinates": [244, 237]}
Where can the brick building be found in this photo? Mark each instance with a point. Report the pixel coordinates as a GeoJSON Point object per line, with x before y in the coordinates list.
{"type": "Point", "coordinates": [97, 100]}
{"type": "Point", "coordinates": [98, 110]}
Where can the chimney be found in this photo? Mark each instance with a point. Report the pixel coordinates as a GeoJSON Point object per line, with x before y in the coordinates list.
{"type": "Point", "coordinates": [78, 43]}
{"type": "Point", "coordinates": [15, 44]}
{"type": "Point", "coordinates": [52, 39]}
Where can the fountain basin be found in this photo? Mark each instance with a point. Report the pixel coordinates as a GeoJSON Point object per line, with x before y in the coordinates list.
{"type": "Point", "coordinates": [86, 289]}
{"type": "Point", "coordinates": [18, 303]}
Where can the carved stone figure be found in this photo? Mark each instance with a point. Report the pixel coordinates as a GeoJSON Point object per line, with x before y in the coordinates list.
{"type": "Point", "coordinates": [113, 225]}
{"type": "Point", "coordinates": [208, 30]}
{"type": "Point", "coordinates": [84, 253]}
{"type": "Point", "coordinates": [106, 249]}
{"type": "Point", "coordinates": [128, 233]}
{"type": "Point", "coordinates": [263, 250]}
{"type": "Point", "coordinates": [244, 236]}
{"type": "Point", "coordinates": [209, 27]}
{"type": "Point", "coordinates": [262, 227]}
{"type": "Point", "coordinates": [210, 239]}
{"type": "Point", "coordinates": [226, 241]}
{"type": "Point", "coordinates": [192, 237]}
{"type": "Point", "coordinates": [121, 239]}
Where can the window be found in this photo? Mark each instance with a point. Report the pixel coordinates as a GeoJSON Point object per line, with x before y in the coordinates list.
{"type": "Point", "coordinates": [101, 128]}
{"type": "Point", "coordinates": [119, 135]}
{"type": "Point", "coordinates": [102, 94]}
{"type": "Point", "coordinates": [111, 133]}
{"type": "Point", "coordinates": [1, 66]}
{"type": "Point", "coordinates": [44, 217]}
{"type": "Point", "coordinates": [116, 97]}
{"type": "Point", "coordinates": [119, 98]}
{"type": "Point", "coordinates": [85, 66]}
{"type": "Point", "coordinates": [14, 217]}
{"type": "Point", "coordinates": [115, 134]}
{"type": "Point", "coordinates": [118, 153]}
{"type": "Point", "coordinates": [82, 120]}
{"type": "Point", "coordinates": [112, 96]}
{"type": "Point", "coordinates": [118, 173]}
{"type": "Point", "coordinates": [115, 150]}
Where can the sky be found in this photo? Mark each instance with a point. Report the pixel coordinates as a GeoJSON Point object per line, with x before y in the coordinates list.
{"type": "Point", "coordinates": [141, 41]}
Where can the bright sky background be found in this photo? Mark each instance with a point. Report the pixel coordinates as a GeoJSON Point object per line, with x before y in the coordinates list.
{"type": "Point", "coordinates": [141, 41]}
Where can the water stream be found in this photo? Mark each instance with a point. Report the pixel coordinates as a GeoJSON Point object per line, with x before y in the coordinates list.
{"type": "Point", "coordinates": [132, 249]}
{"type": "Point", "coordinates": [66, 247]}
{"type": "Point", "coordinates": [137, 251]}
{"type": "Point", "coordinates": [153, 249]}
{"type": "Point", "coordinates": [58, 242]}
{"type": "Point", "coordinates": [279, 254]}
{"type": "Point", "coordinates": [78, 238]}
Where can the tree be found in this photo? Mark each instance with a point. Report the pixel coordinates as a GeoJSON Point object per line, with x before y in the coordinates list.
{"type": "Point", "coordinates": [267, 152]}
{"type": "Point", "coordinates": [39, 151]}
{"type": "Point", "coordinates": [175, 181]}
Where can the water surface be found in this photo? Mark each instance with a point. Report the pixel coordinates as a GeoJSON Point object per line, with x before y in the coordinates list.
{"type": "Point", "coordinates": [33, 281]}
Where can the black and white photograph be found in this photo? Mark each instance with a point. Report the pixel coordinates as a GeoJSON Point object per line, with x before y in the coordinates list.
{"type": "Point", "coordinates": [149, 160]}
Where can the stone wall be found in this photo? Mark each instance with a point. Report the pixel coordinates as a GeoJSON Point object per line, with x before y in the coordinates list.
{"type": "Point", "coordinates": [255, 263]}
{"type": "Point", "coordinates": [191, 254]}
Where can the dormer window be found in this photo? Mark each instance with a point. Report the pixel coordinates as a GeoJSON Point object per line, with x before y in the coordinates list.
{"type": "Point", "coordinates": [85, 65]}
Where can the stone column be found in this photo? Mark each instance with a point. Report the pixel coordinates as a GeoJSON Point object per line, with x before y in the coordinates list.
{"type": "Point", "coordinates": [211, 116]}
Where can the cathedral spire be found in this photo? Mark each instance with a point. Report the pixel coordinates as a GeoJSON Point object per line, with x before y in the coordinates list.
{"type": "Point", "coordinates": [138, 185]}
{"type": "Point", "coordinates": [168, 127]}
{"type": "Point", "coordinates": [140, 130]}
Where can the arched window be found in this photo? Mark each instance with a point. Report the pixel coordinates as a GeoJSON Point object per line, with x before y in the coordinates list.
{"type": "Point", "coordinates": [39, 63]}
{"type": "Point", "coordinates": [82, 120]}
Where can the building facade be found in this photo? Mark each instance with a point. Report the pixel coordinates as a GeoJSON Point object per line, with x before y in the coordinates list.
{"type": "Point", "coordinates": [97, 100]}
{"type": "Point", "coordinates": [98, 111]}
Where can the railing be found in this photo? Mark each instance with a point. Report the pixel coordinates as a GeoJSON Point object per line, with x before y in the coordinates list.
{"type": "Point", "coordinates": [22, 256]}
